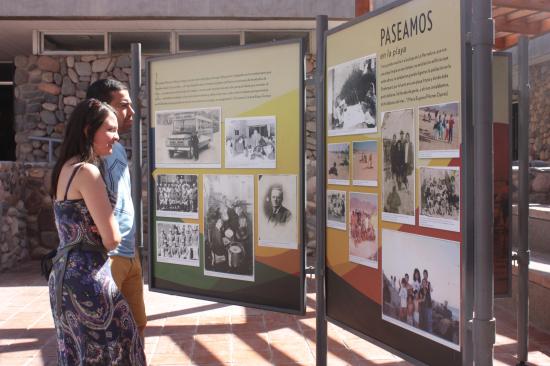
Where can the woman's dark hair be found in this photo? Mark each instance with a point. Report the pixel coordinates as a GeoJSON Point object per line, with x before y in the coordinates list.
{"type": "Point", "coordinates": [416, 272]}
{"type": "Point", "coordinates": [86, 119]}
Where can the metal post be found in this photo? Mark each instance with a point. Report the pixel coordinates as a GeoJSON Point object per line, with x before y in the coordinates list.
{"type": "Point", "coordinates": [483, 321]}
{"type": "Point", "coordinates": [523, 204]}
{"type": "Point", "coordinates": [135, 87]}
{"type": "Point", "coordinates": [320, 190]}
{"type": "Point", "coordinates": [468, 184]}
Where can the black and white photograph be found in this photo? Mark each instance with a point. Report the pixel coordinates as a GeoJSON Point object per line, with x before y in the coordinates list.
{"type": "Point", "coordinates": [188, 138]}
{"type": "Point", "coordinates": [177, 195]}
{"type": "Point", "coordinates": [421, 285]}
{"type": "Point", "coordinates": [351, 89]}
{"type": "Point", "coordinates": [363, 229]}
{"type": "Point", "coordinates": [439, 131]}
{"type": "Point", "coordinates": [440, 198]}
{"type": "Point", "coordinates": [336, 209]}
{"type": "Point", "coordinates": [398, 166]}
{"type": "Point", "coordinates": [178, 243]}
{"type": "Point", "coordinates": [338, 163]}
{"type": "Point", "coordinates": [278, 211]}
{"type": "Point", "coordinates": [229, 226]}
{"type": "Point", "coordinates": [250, 142]}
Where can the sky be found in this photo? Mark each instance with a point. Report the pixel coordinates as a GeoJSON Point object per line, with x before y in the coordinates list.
{"type": "Point", "coordinates": [403, 252]}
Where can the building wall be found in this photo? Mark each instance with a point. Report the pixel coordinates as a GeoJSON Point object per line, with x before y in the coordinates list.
{"type": "Point", "coordinates": [178, 8]}
{"type": "Point", "coordinates": [539, 139]}
{"type": "Point", "coordinates": [46, 91]}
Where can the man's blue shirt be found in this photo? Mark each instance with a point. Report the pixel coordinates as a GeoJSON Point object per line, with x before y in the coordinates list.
{"type": "Point", "coordinates": [117, 177]}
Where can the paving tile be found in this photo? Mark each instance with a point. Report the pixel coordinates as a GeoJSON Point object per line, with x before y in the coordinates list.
{"type": "Point", "coordinates": [185, 332]}
{"type": "Point", "coordinates": [251, 358]}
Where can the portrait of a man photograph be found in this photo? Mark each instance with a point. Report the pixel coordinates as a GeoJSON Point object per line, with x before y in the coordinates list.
{"type": "Point", "coordinates": [278, 211]}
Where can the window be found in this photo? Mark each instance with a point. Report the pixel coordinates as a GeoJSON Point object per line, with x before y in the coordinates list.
{"type": "Point", "coordinates": [207, 41]}
{"type": "Point", "coordinates": [271, 36]}
{"type": "Point", "coordinates": [73, 43]}
{"type": "Point", "coordinates": [152, 43]}
{"type": "Point", "coordinates": [155, 42]}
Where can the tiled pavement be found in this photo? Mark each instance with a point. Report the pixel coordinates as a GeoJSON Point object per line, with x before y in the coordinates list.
{"type": "Point", "coordinates": [183, 331]}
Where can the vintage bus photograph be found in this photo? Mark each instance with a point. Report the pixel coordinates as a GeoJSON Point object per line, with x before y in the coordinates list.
{"type": "Point", "coordinates": [188, 138]}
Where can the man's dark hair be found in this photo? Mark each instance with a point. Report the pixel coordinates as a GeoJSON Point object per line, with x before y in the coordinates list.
{"type": "Point", "coordinates": [102, 89]}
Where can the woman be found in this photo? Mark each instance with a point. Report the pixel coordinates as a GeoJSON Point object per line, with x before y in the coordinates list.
{"type": "Point", "coordinates": [93, 321]}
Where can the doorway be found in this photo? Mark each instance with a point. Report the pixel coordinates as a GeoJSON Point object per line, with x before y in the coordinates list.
{"type": "Point", "coordinates": [7, 131]}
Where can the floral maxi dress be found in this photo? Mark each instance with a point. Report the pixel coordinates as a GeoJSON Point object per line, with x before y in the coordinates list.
{"type": "Point", "coordinates": [93, 321]}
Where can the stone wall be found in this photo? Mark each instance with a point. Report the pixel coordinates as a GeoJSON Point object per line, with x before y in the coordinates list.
{"type": "Point", "coordinates": [539, 186]}
{"type": "Point", "coordinates": [311, 157]}
{"type": "Point", "coordinates": [46, 91]}
{"type": "Point", "coordinates": [27, 229]}
{"type": "Point", "coordinates": [539, 78]}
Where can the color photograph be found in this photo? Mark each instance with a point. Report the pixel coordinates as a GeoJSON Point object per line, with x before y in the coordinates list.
{"type": "Point", "coordinates": [440, 198]}
{"type": "Point", "coordinates": [250, 142]}
{"type": "Point", "coordinates": [439, 131]}
{"type": "Point", "coordinates": [338, 164]}
{"type": "Point", "coordinates": [365, 163]}
{"type": "Point", "coordinates": [228, 226]}
{"type": "Point", "coordinates": [398, 166]}
{"type": "Point", "coordinates": [177, 195]}
{"type": "Point", "coordinates": [363, 229]}
{"type": "Point", "coordinates": [351, 97]}
{"type": "Point", "coordinates": [277, 211]}
{"type": "Point", "coordinates": [178, 243]}
{"type": "Point", "coordinates": [421, 285]}
{"type": "Point", "coordinates": [188, 138]}
{"type": "Point", "coordinates": [336, 209]}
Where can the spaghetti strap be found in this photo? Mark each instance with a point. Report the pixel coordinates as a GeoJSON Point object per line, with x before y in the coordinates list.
{"type": "Point", "coordinates": [75, 170]}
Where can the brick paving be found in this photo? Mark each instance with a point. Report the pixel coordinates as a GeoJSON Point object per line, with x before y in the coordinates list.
{"type": "Point", "coordinates": [184, 331]}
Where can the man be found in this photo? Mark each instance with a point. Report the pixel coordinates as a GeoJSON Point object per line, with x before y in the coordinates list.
{"type": "Point", "coordinates": [393, 202]}
{"type": "Point", "coordinates": [408, 162]}
{"type": "Point", "coordinates": [276, 212]}
{"type": "Point", "coordinates": [195, 145]}
{"type": "Point", "coordinates": [124, 260]}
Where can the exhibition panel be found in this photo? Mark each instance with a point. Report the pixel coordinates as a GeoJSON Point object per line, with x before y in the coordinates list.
{"type": "Point", "coordinates": [227, 170]}
{"type": "Point", "coordinates": [395, 119]}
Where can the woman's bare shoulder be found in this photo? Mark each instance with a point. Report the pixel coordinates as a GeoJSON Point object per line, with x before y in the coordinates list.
{"type": "Point", "coordinates": [90, 170]}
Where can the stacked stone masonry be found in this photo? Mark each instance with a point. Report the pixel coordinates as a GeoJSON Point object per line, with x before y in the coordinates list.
{"type": "Point", "coordinates": [539, 78]}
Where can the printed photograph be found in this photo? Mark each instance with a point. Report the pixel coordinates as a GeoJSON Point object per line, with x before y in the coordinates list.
{"type": "Point", "coordinates": [177, 195]}
{"type": "Point", "coordinates": [398, 166]}
{"type": "Point", "coordinates": [421, 285]}
{"type": "Point", "coordinates": [250, 142]}
{"type": "Point", "coordinates": [278, 211]}
{"type": "Point", "coordinates": [365, 163]}
{"type": "Point", "coordinates": [188, 138]}
{"type": "Point", "coordinates": [336, 209]}
{"type": "Point", "coordinates": [338, 163]}
{"type": "Point", "coordinates": [439, 131]}
{"type": "Point", "coordinates": [363, 229]}
{"type": "Point", "coordinates": [178, 243]}
{"type": "Point", "coordinates": [440, 198]}
{"type": "Point", "coordinates": [351, 89]}
{"type": "Point", "coordinates": [228, 226]}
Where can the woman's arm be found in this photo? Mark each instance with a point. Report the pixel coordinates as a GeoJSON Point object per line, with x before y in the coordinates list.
{"type": "Point", "coordinates": [91, 186]}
